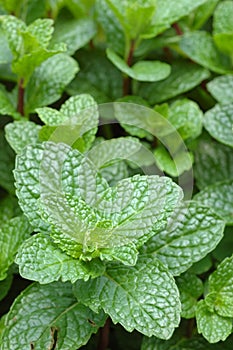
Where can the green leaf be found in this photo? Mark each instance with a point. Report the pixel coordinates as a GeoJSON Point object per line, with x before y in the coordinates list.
{"type": "Point", "coordinates": [200, 47]}
{"type": "Point", "coordinates": [184, 77]}
{"type": "Point", "coordinates": [12, 28]}
{"type": "Point", "coordinates": [213, 163]}
{"type": "Point", "coordinates": [203, 265]}
{"type": "Point", "coordinates": [221, 289]}
{"type": "Point", "coordinates": [115, 172]}
{"type": "Point", "coordinates": [222, 26]}
{"type": "Point", "coordinates": [7, 164]}
{"type": "Point", "coordinates": [203, 13]}
{"type": "Point", "coordinates": [8, 208]}
{"type": "Point", "coordinates": [22, 133]}
{"type": "Point", "coordinates": [218, 122]}
{"type": "Point", "coordinates": [13, 233]}
{"type": "Point", "coordinates": [168, 12]}
{"type": "Point", "coordinates": [40, 260]}
{"type": "Point", "coordinates": [98, 77]}
{"type": "Point", "coordinates": [142, 70]}
{"type": "Point", "coordinates": [221, 87]}
{"type": "Point", "coordinates": [224, 249]}
{"type": "Point", "coordinates": [219, 197]}
{"type": "Point", "coordinates": [5, 285]}
{"type": "Point", "coordinates": [7, 105]}
{"type": "Point", "coordinates": [212, 326]}
{"type": "Point", "coordinates": [49, 316]}
{"type": "Point", "coordinates": [49, 80]}
{"type": "Point", "coordinates": [75, 33]}
{"type": "Point", "coordinates": [143, 297]}
{"type": "Point", "coordinates": [5, 53]}
{"type": "Point", "coordinates": [190, 288]}
{"type": "Point", "coordinates": [191, 233]}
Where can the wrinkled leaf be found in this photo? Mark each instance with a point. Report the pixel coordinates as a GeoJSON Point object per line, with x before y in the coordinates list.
{"type": "Point", "coordinates": [221, 88]}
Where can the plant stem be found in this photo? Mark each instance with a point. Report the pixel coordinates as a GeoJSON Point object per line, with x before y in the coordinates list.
{"type": "Point", "coordinates": [177, 29]}
{"type": "Point", "coordinates": [104, 336]}
{"type": "Point", "coordinates": [129, 61]}
{"type": "Point", "coordinates": [20, 106]}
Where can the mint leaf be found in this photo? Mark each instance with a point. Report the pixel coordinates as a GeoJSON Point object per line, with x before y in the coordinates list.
{"type": "Point", "coordinates": [7, 105]}
{"type": "Point", "coordinates": [74, 33]}
{"type": "Point", "coordinates": [221, 87]}
{"type": "Point", "coordinates": [7, 163]}
{"type": "Point", "coordinates": [143, 297]}
{"type": "Point", "coordinates": [203, 13]}
{"type": "Point", "coordinates": [115, 172]}
{"type": "Point", "coordinates": [213, 163]}
{"type": "Point", "coordinates": [221, 289]}
{"type": "Point", "coordinates": [61, 320]}
{"type": "Point", "coordinates": [184, 77]}
{"type": "Point", "coordinates": [191, 233]}
{"type": "Point", "coordinates": [190, 288]}
{"type": "Point", "coordinates": [5, 54]}
{"type": "Point", "coordinates": [142, 70]}
{"type": "Point", "coordinates": [218, 197]}
{"type": "Point", "coordinates": [20, 134]}
{"type": "Point", "coordinates": [40, 260]}
{"type": "Point", "coordinates": [200, 47]}
{"type": "Point", "coordinates": [12, 234]}
{"type": "Point", "coordinates": [218, 122]}
{"type": "Point", "coordinates": [49, 80]}
{"type": "Point", "coordinates": [222, 26]}
{"type": "Point", "coordinates": [212, 326]}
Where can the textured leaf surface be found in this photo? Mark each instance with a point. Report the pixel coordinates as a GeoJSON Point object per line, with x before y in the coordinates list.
{"type": "Point", "coordinates": [221, 88]}
{"type": "Point", "coordinates": [213, 163]}
{"type": "Point", "coordinates": [143, 297]}
{"type": "Point", "coordinates": [49, 316]}
{"type": "Point", "coordinates": [212, 326]}
{"type": "Point", "coordinates": [218, 122]}
{"type": "Point", "coordinates": [219, 197]}
{"type": "Point", "coordinates": [7, 163]}
{"type": "Point", "coordinates": [222, 26]}
{"type": "Point", "coordinates": [20, 134]}
{"type": "Point", "coordinates": [184, 77]}
{"type": "Point", "coordinates": [142, 70]}
{"type": "Point", "coordinates": [40, 260]}
{"type": "Point", "coordinates": [190, 288]}
{"type": "Point", "coordinates": [12, 234]}
{"type": "Point", "coordinates": [192, 231]}
{"type": "Point", "coordinates": [49, 80]}
{"type": "Point", "coordinates": [199, 46]}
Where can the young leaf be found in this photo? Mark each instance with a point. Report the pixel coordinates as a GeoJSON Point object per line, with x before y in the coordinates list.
{"type": "Point", "coordinates": [191, 232]}
{"type": "Point", "coordinates": [7, 163]}
{"type": "Point", "coordinates": [222, 26]}
{"type": "Point", "coordinates": [212, 326]}
{"type": "Point", "coordinates": [13, 233]}
{"type": "Point", "coordinates": [200, 47]}
{"type": "Point", "coordinates": [218, 122]}
{"type": "Point", "coordinates": [143, 297]}
{"type": "Point", "coordinates": [49, 80]}
{"type": "Point", "coordinates": [184, 77]}
{"type": "Point", "coordinates": [22, 133]}
{"type": "Point", "coordinates": [142, 70]}
{"type": "Point", "coordinates": [190, 288]}
{"type": "Point", "coordinates": [221, 88]}
{"type": "Point", "coordinates": [40, 260]}
{"type": "Point", "coordinates": [213, 163]}
{"type": "Point", "coordinates": [219, 197]}
{"type": "Point", "coordinates": [49, 316]}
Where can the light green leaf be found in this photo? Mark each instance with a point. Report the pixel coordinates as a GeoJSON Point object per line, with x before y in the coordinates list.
{"type": "Point", "coordinates": [98, 77]}
{"type": "Point", "coordinates": [22, 133]}
{"type": "Point", "coordinates": [115, 172]}
{"type": "Point", "coordinates": [184, 77]}
{"type": "Point", "coordinates": [219, 197]}
{"type": "Point", "coordinates": [222, 26]}
{"type": "Point", "coordinates": [49, 80]}
{"type": "Point", "coordinates": [125, 254]}
{"type": "Point", "coordinates": [40, 260]}
{"type": "Point", "coordinates": [48, 316]}
{"type": "Point", "coordinates": [143, 297]}
{"type": "Point", "coordinates": [221, 88]}
{"type": "Point", "coordinates": [218, 122]}
{"type": "Point", "coordinates": [200, 47]}
{"type": "Point", "coordinates": [75, 33]}
{"type": "Point", "coordinates": [213, 163]}
{"type": "Point", "coordinates": [7, 105]}
{"type": "Point", "coordinates": [191, 233]}
{"type": "Point", "coordinates": [142, 70]}
{"type": "Point", "coordinates": [42, 30]}
{"type": "Point", "coordinates": [7, 164]}
{"type": "Point", "coordinates": [12, 234]}
{"type": "Point", "coordinates": [5, 53]}
{"type": "Point", "coordinates": [212, 326]}
{"type": "Point", "coordinates": [13, 27]}
{"type": "Point", "coordinates": [190, 288]}
{"type": "Point", "coordinates": [221, 288]}
{"type": "Point", "coordinates": [5, 286]}
{"type": "Point", "coordinates": [203, 13]}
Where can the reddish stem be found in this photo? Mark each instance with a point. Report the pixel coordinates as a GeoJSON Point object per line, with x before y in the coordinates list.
{"type": "Point", "coordinates": [20, 106]}
{"type": "Point", "coordinates": [129, 61]}
{"type": "Point", "coordinates": [177, 29]}
{"type": "Point", "coordinates": [104, 336]}
{"type": "Point", "coordinates": [91, 44]}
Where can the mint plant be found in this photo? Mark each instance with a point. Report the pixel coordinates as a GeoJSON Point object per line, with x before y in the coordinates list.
{"type": "Point", "coordinates": [116, 179]}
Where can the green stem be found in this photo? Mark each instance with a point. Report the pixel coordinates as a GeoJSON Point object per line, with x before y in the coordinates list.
{"type": "Point", "coordinates": [129, 61]}
{"type": "Point", "coordinates": [20, 106]}
{"type": "Point", "coordinates": [104, 336]}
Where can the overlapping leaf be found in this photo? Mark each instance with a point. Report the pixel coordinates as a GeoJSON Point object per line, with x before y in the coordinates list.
{"type": "Point", "coordinates": [221, 88]}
